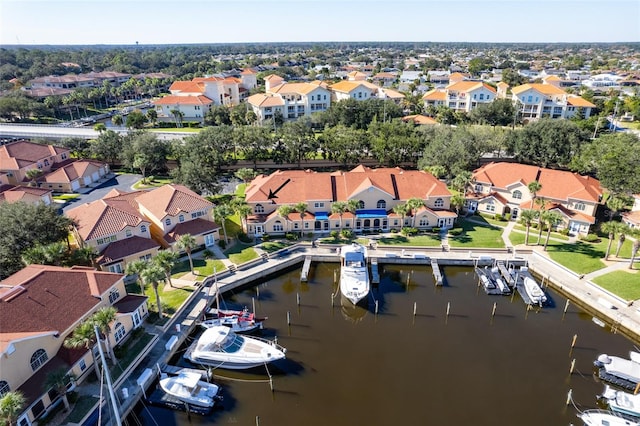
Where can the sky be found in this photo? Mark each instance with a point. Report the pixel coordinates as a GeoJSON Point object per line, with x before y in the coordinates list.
{"type": "Point", "coordinates": [88, 22]}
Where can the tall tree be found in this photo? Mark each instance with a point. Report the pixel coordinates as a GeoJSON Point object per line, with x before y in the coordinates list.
{"type": "Point", "coordinates": [253, 142]}
{"type": "Point", "coordinates": [534, 187]}
{"type": "Point", "coordinates": [58, 380]}
{"type": "Point", "coordinates": [83, 336]}
{"type": "Point", "coordinates": [551, 218]}
{"type": "Point", "coordinates": [401, 210]}
{"type": "Point", "coordinates": [166, 259]}
{"type": "Point", "coordinates": [153, 274]}
{"type": "Point", "coordinates": [623, 231]}
{"type": "Point", "coordinates": [220, 214]}
{"type": "Point", "coordinates": [634, 250]}
{"type": "Point", "coordinates": [187, 243]}
{"type": "Point", "coordinates": [11, 405]}
{"type": "Point", "coordinates": [103, 318]}
{"type": "Point", "coordinates": [245, 174]}
{"type": "Point", "coordinates": [457, 202]}
{"type": "Point", "coordinates": [33, 175]}
{"type": "Point", "coordinates": [527, 217]}
{"type": "Point", "coordinates": [339, 208]}
{"type": "Point", "coordinates": [301, 208]}
{"type": "Point", "coordinates": [542, 203]}
{"type": "Point", "coordinates": [611, 228]}
{"type": "Point", "coordinates": [145, 152]}
{"type": "Point", "coordinates": [298, 140]}
{"type": "Point", "coordinates": [135, 268]}
{"type": "Point", "coordinates": [108, 147]}
{"type": "Point", "coordinates": [413, 205]}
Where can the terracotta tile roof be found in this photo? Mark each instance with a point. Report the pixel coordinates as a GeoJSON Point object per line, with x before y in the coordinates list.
{"type": "Point", "coordinates": [385, 75]}
{"type": "Point", "coordinates": [247, 71]}
{"type": "Point", "coordinates": [297, 88]}
{"type": "Point", "coordinates": [495, 195]}
{"type": "Point", "coordinates": [632, 217]}
{"type": "Point", "coordinates": [183, 100]}
{"type": "Point", "coordinates": [392, 94]}
{"type": "Point", "coordinates": [72, 171]}
{"type": "Point", "coordinates": [435, 95]}
{"type": "Point", "coordinates": [121, 249]}
{"type": "Point", "coordinates": [419, 119]}
{"type": "Point", "coordinates": [194, 227]}
{"type": "Point", "coordinates": [556, 184]}
{"type": "Point", "coordinates": [545, 89]}
{"type": "Point", "coordinates": [569, 214]}
{"type": "Point", "coordinates": [16, 155]}
{"type": "Point", "coordinates": [11, 194]}
{"type": "Point", "coordinates": [32, 388]}
{"type": "Point", "coordinates": [579, 102]}
{"type": "Point", "coordinates": [308, 185]}
{"type": "Point", "coordinates": [469, 86]}
{"type": "Point", "coordinates": [273, 78]}
{"type": "Point", "coordinates": [346, 86]}
{"type": "Point", "coordinates": [265, 100]}
{"type": "Point", "coordinates": [187, 86]}
{"type": "Point", "coordinates": [107, 216]}
{"type": "Point", "coordinates": [171, 199]}
{"type": "Point", "coordinates": [51, 298]}
{"type": "Point", "coordinates": [437, 213]}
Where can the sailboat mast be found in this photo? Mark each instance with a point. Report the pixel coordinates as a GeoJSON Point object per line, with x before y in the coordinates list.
{"type": "Point", "coordinates": [112, 395]}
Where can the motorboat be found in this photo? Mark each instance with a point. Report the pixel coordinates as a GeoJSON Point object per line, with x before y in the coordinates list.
{"type": "Point", "coordinates": [354, 274]}
{"type": "Point", "coordinates": [487, 280]}
{"type": "Point", "coordinates": [619, 371]}
{"type": "Point", "coordinates": [190, 389]}
{"type": "Point", "coordinates": [239, 321]}
{"type": "Point", "coordinates": [605, 418]}
{"type": "Point", "coordinates": [528, 288]}
{"type": "Point", "coordinates": [502, 285]}
{"type": "Point", "coordinates": [219, 346]}
{"type": "Point", "coordinates": [621, 402]}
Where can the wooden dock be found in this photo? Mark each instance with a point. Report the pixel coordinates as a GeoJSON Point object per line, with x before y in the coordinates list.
{"type": "Point", "coordinates": [304, 275]}
{"type": "Point", "coordinates": [375, 273]}
{"type": "Point", "coordinates": [437, 275]}
{"type": "Point", "coordinates": [509, 278]}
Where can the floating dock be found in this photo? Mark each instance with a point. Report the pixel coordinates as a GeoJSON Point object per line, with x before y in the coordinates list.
{"type": "Point", "coordinates": [375, 272]}
{"type": "Point", "coordinates": [304, 275]}
{"type": "Point", "coordinates": [437, 275]}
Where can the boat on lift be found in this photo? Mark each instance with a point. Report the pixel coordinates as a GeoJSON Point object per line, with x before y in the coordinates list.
{"type": "Point", "coordinates": [354, 273]}
{"type": "Point", "coordinates": [190, 389]}
{"type": "Point", "coordinates": [605, 418]}
{"type": "Point", "coordinates": [621, 402]}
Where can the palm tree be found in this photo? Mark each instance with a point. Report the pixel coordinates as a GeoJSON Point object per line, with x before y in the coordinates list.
{"type": "Point", "coordinates": [153, 274]}
{"type": "Point", "coordinates": [611, 228]}
{"type": "Point", "coordinates": [551, 218]}
{"type": "Point", "coordinates": [413, 205]}
{"type": "Point", "coordinates": [634, 249]}
{"type": "Point", "coordinates": [401, 210]}
{"type": "Point", "coordinates": [83, 336]}
{"type": "Point", "coordinates": [187, 243]}
{"type": "Point", "coordinates": [461, 181]}
{"type": "Point", "coordinates": [534, 187]}
{"type": "Point", "coordinates": [615, 204]}
{"type": "Point", "coordinates": [353, 205]}
{"type": "Point", "coordinates": [457, 202]}
{"type": "Point", "coordinates": [527, 217]}
{"type": "Point", "coordinates": [58, 380]}
{"type": "Point", "coordinates": [285, 210]}
{"type": "Point", "coordinates": [339, 208]}
{"type": "Point", "coordinates": [178, 115]}
{"type": "Point", "coordinates": [166, 259]}
{"type": "Point", "coordinates": [103, 319]}
{"type": "Point", "coordinates": [243, 210]}
{"type": "Point", "coordinates": [220, 214]}
{"type": "Point", "coordinates": [33, 175]}
{"type": "Point", "coordinates": [542, 203]}
{"type": "Point", "coordinates": [301, 208]}
{"type": "Point", "coordinates": [134, 268]}
{"type": "Point", "coordinates": [623, 231]}
{"type": "Point", "coordinates": [11, 404]}
{"type": "Point", "coordinates": [117, 120]}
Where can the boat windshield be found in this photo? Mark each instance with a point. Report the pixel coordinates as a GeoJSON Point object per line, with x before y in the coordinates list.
{"type": "Point", "coordinates": [232, 343]}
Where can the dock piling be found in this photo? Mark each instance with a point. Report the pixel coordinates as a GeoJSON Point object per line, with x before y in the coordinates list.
{"type": "Point", "coordinates": [376, 309]}
{"type": "Point", "coordinates": [573, 342]}
{"type": "Point", "coordinates": [415, 308]}
{"type": "Point", "coordinates": [569, 396]}
{"type": "Point", "coordinates": [573, 365]}
{"type": "Point", "coordinates": [253, 305]}
{"type": "Point", "coordinates": [288, 318]}
{"type": "Point", "coordinates": [298, 299]}
{"type": "Point", "coordinates": [493, 311]}
{"type": "Point", "coordinates": [566, 306]}
{"type": "Point", "coordinates": [448, 308]}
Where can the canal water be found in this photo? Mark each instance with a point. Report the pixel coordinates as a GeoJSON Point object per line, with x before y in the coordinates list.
{"type": "Point", "coordinates": [349, 366]}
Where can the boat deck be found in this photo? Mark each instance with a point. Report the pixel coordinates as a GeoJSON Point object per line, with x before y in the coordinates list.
{"type": "Point", "coordinates": [160, 398]}
{"type": "Point", "coordinates": [519, 283]}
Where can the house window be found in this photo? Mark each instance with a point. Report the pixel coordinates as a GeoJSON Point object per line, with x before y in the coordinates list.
{"type": "Point", "coordinates": [491, 207]}
{"type": "Point", "coordinates": [181, 218]}
{"type": "Point", "coordinates": [120, 333]}
{"type": "Point", "coordinates": [295, 225]}
{"type": "Point", "coordinates": [46, 162]}
{"type": "Point", "coordinates": [143, 229]}
{"type": "Point", "coordinates": [361, 204]}
{"type": "Point", "coordinates": [117, 268]}
{"type": "Point", "coordinates": [277, 226]}
{"type": "Point", "coordinates": [4, 387]}
{"type": "Point", "coordinates": [481, 96]}
{"type": "Point", "coordinates": [423, 222]}
{"type": "Point", "coordinates": [128, 233]}
{"type": "Point", "coordinates": [319, 204]}
{"type": "Point", "coordinates": [259, 208]}
{"type": "Point", "coordinates": [381, 204]}
{"type": "Point", "coordinates": [82, 365]}
{"type": "Point", "coordinates": [114, 295]}
{"type": "Point", "coordinates": [306, 225]}
{"type": "Point", "coordinates": [478, 187]}
{"type": "Point", "coordinates": [517, 194]}
{"type": "Point", "coordinates": [581, 206]}
{"type": "Point", "coordinates": [439, 203]}
{"type": "Point", "coordinates": [146, 257]}
{"type": "Point", "coordinates": [38, 359]}
{"type": "Point", "coordinates": [167, 221]}
{"type": "Point", "coordinates": [530, 98]}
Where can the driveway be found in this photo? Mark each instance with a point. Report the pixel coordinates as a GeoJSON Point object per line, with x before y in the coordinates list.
{"type": "Point", "coordinates": [120, 182]}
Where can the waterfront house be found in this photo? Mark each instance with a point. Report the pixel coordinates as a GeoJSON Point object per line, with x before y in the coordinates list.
{"type": "Point", "coordinates": [537, 100]}
{"type": "Point", "coordinates": [290, 100]}
{"type": "Point", "coordinates": [40, 306]}
{"type": "Point", "coordinates": [175, 210]}
{"type": "Point", "coordinates": [502, 188]}
{"type": "Point", "coordinates": [115, 228]}
{"type": "Point", "coordinates": [377, 192]}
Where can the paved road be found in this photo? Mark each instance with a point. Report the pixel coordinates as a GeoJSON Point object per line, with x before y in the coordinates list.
{"type": "Point", "coordinates": [120, 182]}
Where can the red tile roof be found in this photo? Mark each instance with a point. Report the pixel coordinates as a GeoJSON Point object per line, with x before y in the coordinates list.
{"type": "Point", "coordinates": [171, 199]}
{"type": "Point", "coordinates": [43, 298]}
{"type": "Point", "coordinates": [121, 249]}
{"type": "Point", "coordinates": [16, 155]}
{"type": "Point", "coordinates": [194, 227]}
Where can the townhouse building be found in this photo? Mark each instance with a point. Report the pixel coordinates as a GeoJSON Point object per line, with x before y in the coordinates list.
{"type": "Point", "coordinates": [538, 100]}
{"type": "Point", "coordinates": [502, 188]}
{"type": "Point", "coordinates": [25, 194]}
{"type": "Point", "coordinates": [461, 95]}
{"type": "Point", "coordinates": [127, 226]}
{"type": "Point", "coordinates": [40, 306]}
{"type": "Point", "coordinates": [376, 191]}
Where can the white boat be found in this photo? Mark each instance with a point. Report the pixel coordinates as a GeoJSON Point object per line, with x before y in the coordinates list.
{"type": "Point", "coordinates": [220, 347]}
{"type": "Point", "coordinates": [605, 418]}
{"type": "Point", "coordinates": [620, 371]}
{"type": "Point", "coordinates": [188, 388]}
{"type": "Point", "coordinates": [500, 282]}
{"type": "Point", "coordinates": [621, 402]}
{"type": "Point", "coordinates": [528, 288]}
{"type": "Point", "coordinates": [354, 274]}
{"type": "Point", "coordinates": [239, 321]}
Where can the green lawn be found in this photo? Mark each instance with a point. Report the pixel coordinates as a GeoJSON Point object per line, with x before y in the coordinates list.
{"type": "Point", "coordinates": [241, 253]}
{"type": "Point", "coordinates": [621, 283]}
{"type": "Point", "coordinates": [156, 182]}
{"type": "Point", "coordinates": [65, 197]}
{"type": "Point", "coordinates": [240, 190]}
{"type": "Point", "coordinates": [202, 266]}
{"type": "Point", "coordinates": [171, 298]}
{"type": "Point", "coordinates": [417, 240]}
{"type": "Point", "coordinates": [271, 246]}
{"type": "Point", "coordinates": [581, 257]}
{"type": "Point", "coordinates": [175, 130]}
{"type": "Point", "coordinates": [477, 235]}
{"type": "Point", "coordinates": [488, 220]}
{"type": "Point", "coordinates": [533, 234]}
